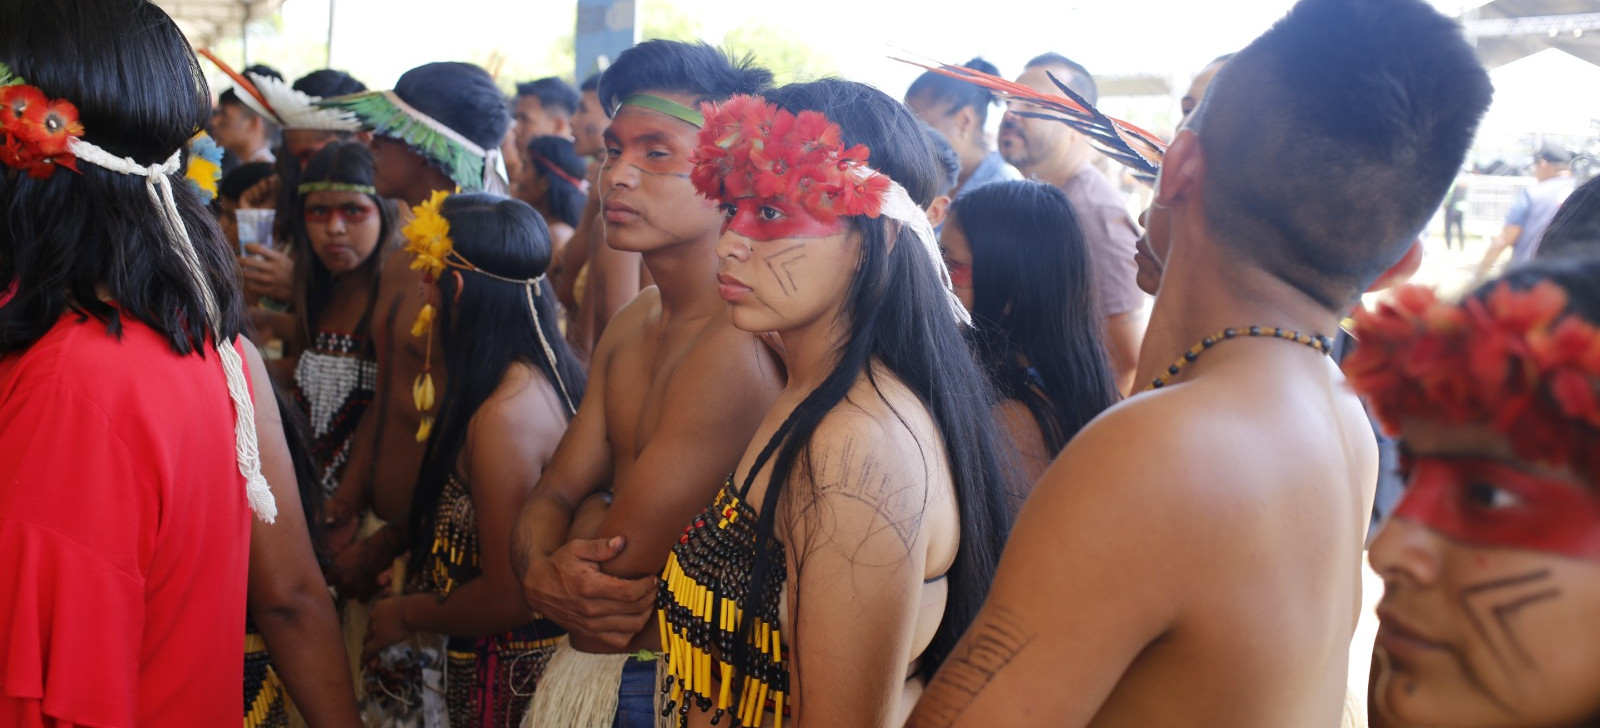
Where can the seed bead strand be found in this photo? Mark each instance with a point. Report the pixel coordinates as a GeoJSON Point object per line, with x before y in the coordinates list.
{"type": "Point", "coordinates": [1320, 343]}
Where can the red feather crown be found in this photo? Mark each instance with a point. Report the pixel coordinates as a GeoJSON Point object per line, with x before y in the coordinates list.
{"type": "Point", "coordinates": [749, 147]}
{"type": "Point", "coordinates": [1514, 360]}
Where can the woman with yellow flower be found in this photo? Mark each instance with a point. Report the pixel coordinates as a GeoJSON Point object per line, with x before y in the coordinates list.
{"type": "Point", "coordinates": [513, 386]}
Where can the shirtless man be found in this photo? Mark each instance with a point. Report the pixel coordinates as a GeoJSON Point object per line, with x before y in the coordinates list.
{"type": "Point", "coordinates": [463, 98]}
{"type": "Point", "coordinates": [675, 391]}
{"type": "Point", "coordinates": [1193, 557]}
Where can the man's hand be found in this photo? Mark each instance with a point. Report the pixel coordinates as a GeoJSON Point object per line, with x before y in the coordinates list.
{"type": "Point", "coordinates": [340, 522]}
{"type": "Point", "coordinates": [356, 570]}
{"type": "Point", "coordinates": [569, 588]}
{"type": "Point", "coordinates": [268, 272]}
{"type": "Point", "coordinates": [386, 626]}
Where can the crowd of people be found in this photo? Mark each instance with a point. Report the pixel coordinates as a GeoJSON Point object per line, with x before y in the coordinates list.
{"type": "Point", "coordinates": [683, 398]}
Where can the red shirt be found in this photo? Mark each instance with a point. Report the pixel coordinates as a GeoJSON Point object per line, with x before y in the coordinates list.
{"type": "Point", "coordinates": [124, 531]}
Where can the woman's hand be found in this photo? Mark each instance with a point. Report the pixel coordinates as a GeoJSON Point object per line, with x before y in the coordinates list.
{"type": "Point", "coordinates": [267, 272]}
{"type": "Point", "coordinates": [385, 626]}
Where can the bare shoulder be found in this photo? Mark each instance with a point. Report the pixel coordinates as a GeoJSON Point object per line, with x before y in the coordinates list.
{"type": "Point", "coordinates": [1160, 459]}
{"type": "Point", "coordinates": [628, 323]}
{"type": "Point", "coordinates": [524, 413]}
{"type": "Point", "coordinates": [869, 460]}
{"type": "Point", "coordinates": [729, 362]}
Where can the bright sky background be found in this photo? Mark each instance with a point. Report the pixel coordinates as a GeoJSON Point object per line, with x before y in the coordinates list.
{"type": "Point", "coordinates": [377, 40]}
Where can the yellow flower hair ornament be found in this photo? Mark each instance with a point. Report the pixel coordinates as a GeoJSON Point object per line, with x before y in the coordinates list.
{"type": "Point", "coordinates": [428, 239]}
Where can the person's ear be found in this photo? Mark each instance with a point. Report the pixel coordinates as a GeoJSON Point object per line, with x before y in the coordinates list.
{"type": "Point", "coordinates": [938, 210]}
{"type": "Point", "coordinates": [563, 127]}
{"type": "Point", "coordinates": [365, 137]}
{"type": "Point", "coordinates": [1182, 168]}
{"type": "Point", "coordinates": [966, 121]}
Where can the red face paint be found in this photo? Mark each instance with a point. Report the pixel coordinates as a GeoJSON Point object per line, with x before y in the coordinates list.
{"type": "Point", "coordinates": [350, 212]}
{"type": "Point", "coordinates": [773, 218]}
{"type": "Point", "coordinates": [960, 274]}
{"type": "Point", "coordinates": [1486, 503]}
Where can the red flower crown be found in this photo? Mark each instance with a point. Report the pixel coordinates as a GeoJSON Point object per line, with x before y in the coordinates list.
{"type": "Point", "coordinates": [1514, 360]}
{"type": "Point", "coordinates": [750, 147]}
{"type": "Point", "coordinates": [36, 132]}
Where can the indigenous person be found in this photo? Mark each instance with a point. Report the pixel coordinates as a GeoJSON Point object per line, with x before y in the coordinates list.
{"type": "Point", "coordinates": [1017, 259]}
{"type": "Point", "coordinates": [439, 129]}
{"type": "Point", "coordinates": [436, 130]}
{"type": "Point", "coordinates": [543, 107]}
{"type": "Point", "coordinates": [553, 183]}
{"type": "Point", "coordinates": [1491, 564]}
{"type": "Point", "coordinates": [674, 393]}
{"type": "Point", "coordinates": [1240, 488]}
{"type": "Point", "coordinates": [513, 386]}
{"type": "Point", "coordinates": [126, 529]}
{"type": "Point", "coordinates": [340, 219]}
{"type": "Point", "coordinates": [846, 553]}
{"type": "Point", "coordinates": [1149, 261]}
{"type": "Point", "coordinates": [572, 273]}
{"type": "Point", "coordinates": [292, 644]}
{"type": "Point", "coordinates": [268, 270]}
{"type": "Point", "coordinates": [1051, 152]}
{"type": "Point", "coordinates": [960, 111]}
{"type": "Point", "coordinates": [1534, 207]}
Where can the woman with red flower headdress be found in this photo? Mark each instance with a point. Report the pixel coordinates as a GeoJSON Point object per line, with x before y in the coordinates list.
{"type": "Point", "coordinates": [1491, 563]}
{"type": "Point", "coordinates": [856, 539]}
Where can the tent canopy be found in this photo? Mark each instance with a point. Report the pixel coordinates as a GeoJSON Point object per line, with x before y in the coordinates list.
{"type": "Point", "coordinates": [207, 21]}
{"type": "Point", "coordinates": [1507, 30]}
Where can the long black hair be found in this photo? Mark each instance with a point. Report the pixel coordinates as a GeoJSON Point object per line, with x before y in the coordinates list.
{"type": "Point", "coordinates": [485, 327]}
{"type": "Point", "coordinates": [65, 238]}
{"type": "Point", "coordinates": [899, 319]}
{"type": "Point", "coordinates": [557, 160]}
{"type": "Point", "coordinates": [343, 163]}
{"type": "Point", "coordinates": [1034, 306]}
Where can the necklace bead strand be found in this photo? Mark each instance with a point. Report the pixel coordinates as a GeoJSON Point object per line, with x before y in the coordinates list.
{"type": "Point", "coordinates": [1320, 343]}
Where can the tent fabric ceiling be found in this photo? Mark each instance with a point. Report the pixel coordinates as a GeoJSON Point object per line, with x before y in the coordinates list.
{"type": "Point", "coordinates": [207, 21]}
{"type": "Point", "coordinates": [1501, 42]}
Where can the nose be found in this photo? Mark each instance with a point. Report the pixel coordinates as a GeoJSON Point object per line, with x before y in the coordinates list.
{"type": "Point", "coordinates": [616, 173]}
{"type": "Point", "coordinates": [335, 224]}
{"type": "Point", "coordinates": [1406, 551]}
{"type": "Point", "coordinates": [733, 245]}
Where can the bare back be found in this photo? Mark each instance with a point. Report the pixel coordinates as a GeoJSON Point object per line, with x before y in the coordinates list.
{"type": "Point", "coordinates": [1192, 558]}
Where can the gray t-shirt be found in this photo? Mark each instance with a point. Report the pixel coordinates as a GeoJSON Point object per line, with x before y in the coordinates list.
{"type": "Point", "coordinates": [1534, 208]}
{"type": "Point", "coordinates": [1110, 234]}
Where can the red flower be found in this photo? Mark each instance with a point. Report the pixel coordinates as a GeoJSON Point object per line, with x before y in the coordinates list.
{"type": "Point", "coordinates": [15, 101]}
{"type": "Point", "coordinates": [1513, 360]}
{"type": "Point", "coordinates": [37, 132]}
{"type": "Point", "coordinates": [751, 147]}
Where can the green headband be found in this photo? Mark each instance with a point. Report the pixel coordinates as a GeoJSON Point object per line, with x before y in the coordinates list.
{"type": "Point", "coordinates": [666, 106]}
{"type": "Point", "coordinates": [310, 187]}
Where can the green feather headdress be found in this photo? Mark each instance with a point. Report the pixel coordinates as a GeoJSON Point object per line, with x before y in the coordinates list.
{"type": "Point", "coordinates": [386, 114]}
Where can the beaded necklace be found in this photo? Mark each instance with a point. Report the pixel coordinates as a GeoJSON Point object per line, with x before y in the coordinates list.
{"type": "Point", "coordinates": [1320, 343]}
{"type": "Point", "coordinates": [708, 605]}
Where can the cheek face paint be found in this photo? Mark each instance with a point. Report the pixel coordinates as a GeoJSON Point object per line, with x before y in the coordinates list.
{"type": "Point", "coordinates": [771, 218]}
{"type": "Point", "coordinates": [1486, 503]}
{"type": "Point", "coordinates": [350, 213]}
{"type": "Point", "coordinates": [960, 274]}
